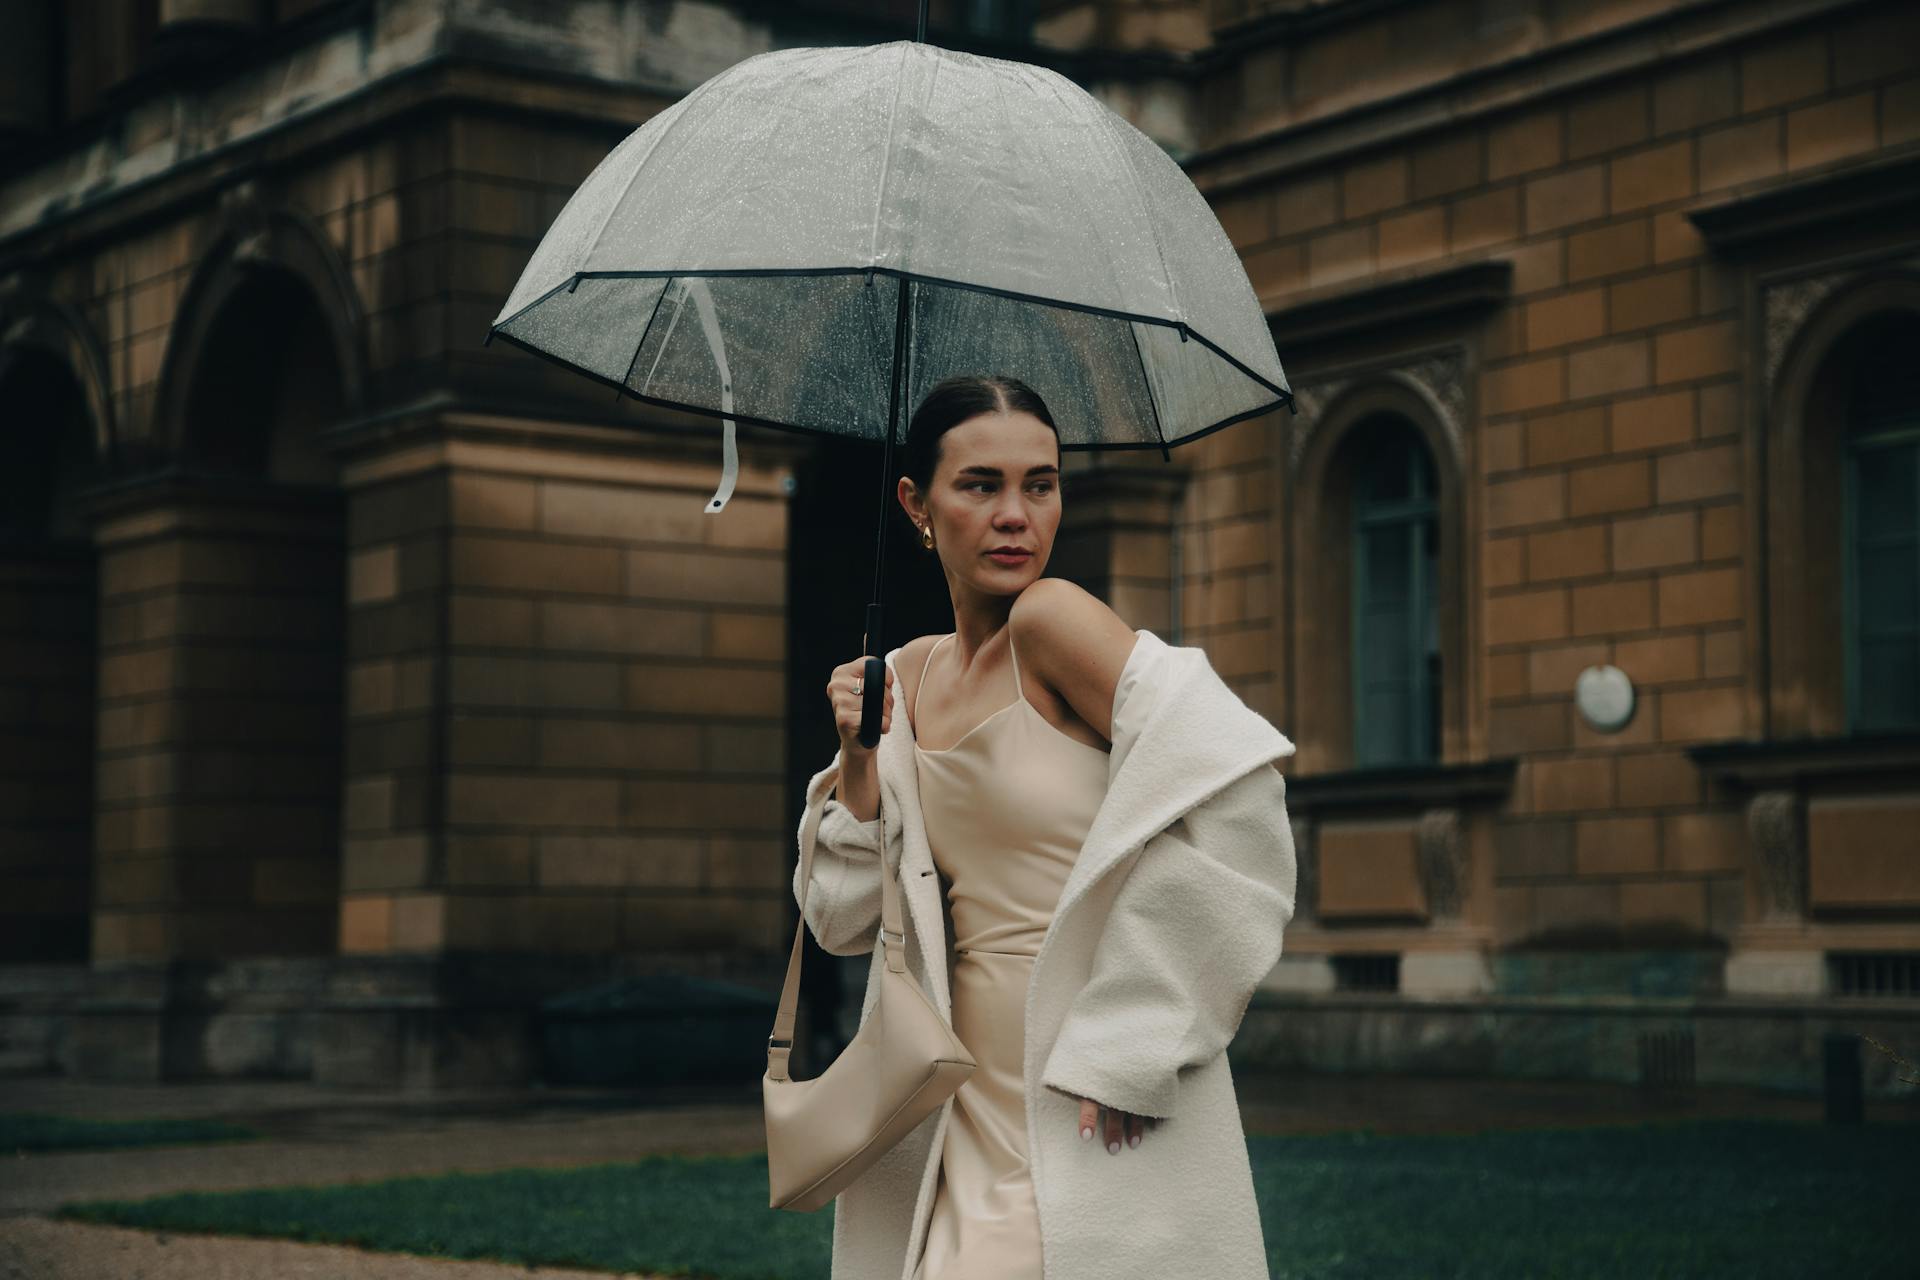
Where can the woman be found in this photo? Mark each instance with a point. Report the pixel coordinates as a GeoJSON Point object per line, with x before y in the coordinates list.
{"type": "Point", "coordinates": [1021, 724]}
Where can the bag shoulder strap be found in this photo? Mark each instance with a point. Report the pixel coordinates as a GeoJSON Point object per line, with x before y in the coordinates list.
{"type": "Point", "coordinates": [780, 1043]}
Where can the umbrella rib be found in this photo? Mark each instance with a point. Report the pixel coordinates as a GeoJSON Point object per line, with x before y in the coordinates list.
{"type": "Point", "coordinates": [679, 309]}
{"type": "Point", "coordinates": [531, 305]}
{"type": "Point", "coordinates": [886, 157]}
{"type": "Point", "coordinates": [1109, 120]}
{"type": "Point", "coordinates": [1153, 401]}
{"type": "Point", "coordinates": [651, 317]}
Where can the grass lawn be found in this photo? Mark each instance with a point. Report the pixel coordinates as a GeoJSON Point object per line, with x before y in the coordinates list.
{"type": "Point", "coordinates": [28, 1131]}
{"type": "Point", "coordinates": [1724, 1198]}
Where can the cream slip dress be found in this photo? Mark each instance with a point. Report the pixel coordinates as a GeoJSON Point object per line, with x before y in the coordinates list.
{"type": "Point", "coordinates": [1007, 809]}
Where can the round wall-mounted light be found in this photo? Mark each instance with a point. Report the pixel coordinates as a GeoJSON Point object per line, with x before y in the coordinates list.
{"type": "Point", "coordinates": [1604, 695]}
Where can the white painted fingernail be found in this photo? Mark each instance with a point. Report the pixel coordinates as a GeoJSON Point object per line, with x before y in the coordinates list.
{"type": "Point", "coordinates": [1085, 1133]}
{"type": "Point", "coordinates": [1113, 1148]}
{"type": "Point", "coordinates": [1134, 1141]}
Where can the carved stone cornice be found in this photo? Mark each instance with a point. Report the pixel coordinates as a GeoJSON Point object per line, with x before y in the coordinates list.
{"type": "Point", "coordinates": [1786, 303]}
{"type": "Point", "coordinates": [1777, 831]}
{"type": "Point", "coordinates": [1785, 306]}
{"type": "Point", "coordinates": [1441, 840]}
{"type": "Point", "coordinates": [1439, 378]}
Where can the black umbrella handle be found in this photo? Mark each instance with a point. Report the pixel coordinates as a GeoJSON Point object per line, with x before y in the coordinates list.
{"type": "Point", "coordinates": [873, 703]}
{"type": "Point", "coordinates": [874, 692]}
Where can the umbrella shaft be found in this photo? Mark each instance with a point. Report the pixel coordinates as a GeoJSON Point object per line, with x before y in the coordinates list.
{"type": "Point", "coordinates": [896, 395]}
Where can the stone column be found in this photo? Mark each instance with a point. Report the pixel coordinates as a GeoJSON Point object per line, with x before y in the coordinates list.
{"type": "Point", "coordinates": [1771, 955]}
{"type": "Point", "coordinates": [216, 777]}
{"type": "Point", "coordinates": [566, 698]}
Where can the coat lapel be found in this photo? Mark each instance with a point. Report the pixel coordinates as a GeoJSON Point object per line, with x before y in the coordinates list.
{"type": "Point", "coordinates": [900, 805]}
{"type": "Point", "coordinates": [1179, 735]}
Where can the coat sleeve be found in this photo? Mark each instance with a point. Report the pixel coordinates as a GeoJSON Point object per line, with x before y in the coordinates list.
{"type": "Point", "coordinates": [843, 902]}
{"type": "Point", "coordinates": [1194, 929]}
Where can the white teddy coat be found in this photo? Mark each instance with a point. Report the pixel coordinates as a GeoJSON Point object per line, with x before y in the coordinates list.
{"type": "Point", "coordinates": [1171, 917]}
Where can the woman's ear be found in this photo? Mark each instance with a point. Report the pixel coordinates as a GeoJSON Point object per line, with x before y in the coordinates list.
{"type": "Point", "coordinates": [909, 499]}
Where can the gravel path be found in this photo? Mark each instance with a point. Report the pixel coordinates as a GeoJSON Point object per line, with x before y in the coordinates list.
{"type": "Point", "coordinates": [318, 1136]}
{"type": "Point", "coordinates": [36, 1249]}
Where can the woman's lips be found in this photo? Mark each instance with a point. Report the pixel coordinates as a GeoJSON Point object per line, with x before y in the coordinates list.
{"type": "Point", "coordinates": [1011, 558]}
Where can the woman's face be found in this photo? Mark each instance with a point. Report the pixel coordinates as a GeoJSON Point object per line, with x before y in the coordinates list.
{"type": "Point", "coordinates": [997, 485]}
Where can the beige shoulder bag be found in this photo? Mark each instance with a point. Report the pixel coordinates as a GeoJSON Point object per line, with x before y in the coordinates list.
{"type": "Point", "coordinates": [903, 1063]}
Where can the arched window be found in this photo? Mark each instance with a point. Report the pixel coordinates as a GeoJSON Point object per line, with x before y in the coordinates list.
{"type": "Point", "coordinates": [1395, 596]}
{"type": "Point", "coordinates": [1881, 510]}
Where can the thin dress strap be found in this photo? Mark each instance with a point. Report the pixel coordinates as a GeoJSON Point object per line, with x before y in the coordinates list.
{"type": "Point", "coordinates": [1019, 691]}
{"type": "Point", "coordinates": [923, 679]}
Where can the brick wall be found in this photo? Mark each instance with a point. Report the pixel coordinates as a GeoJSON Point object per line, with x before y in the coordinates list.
{"type": "Point", "coordinates": [566, 699]}
{"type": "Point", "coordinates": [1608, 444]}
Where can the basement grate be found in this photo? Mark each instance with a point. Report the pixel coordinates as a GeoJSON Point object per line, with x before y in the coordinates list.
{"type": "Point", "coordinates": [1367, 972]}
{"type": "Point", "coordinates": [1893, 974]}
{"type": "Point", "coordinates": [1666, 1060]}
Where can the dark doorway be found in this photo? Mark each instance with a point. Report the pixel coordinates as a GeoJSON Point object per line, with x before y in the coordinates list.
{"type": "Point", "coordinates": [49, 618]}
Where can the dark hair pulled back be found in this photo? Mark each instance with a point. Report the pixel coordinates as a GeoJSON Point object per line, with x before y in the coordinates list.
{"type": "Point", "coordinates": [953, 402]}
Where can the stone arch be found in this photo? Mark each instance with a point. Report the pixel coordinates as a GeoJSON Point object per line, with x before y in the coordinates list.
{"type": "Point", "coordinates": [1320, 515]}
{"type": "Point", "coordinates": [263, 262]}
{"type": "Point", "coordinates": [37, 325]}
{"type": "Point", "coordinates": [1804, 446]}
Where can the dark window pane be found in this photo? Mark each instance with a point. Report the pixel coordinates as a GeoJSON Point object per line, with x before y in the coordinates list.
{"type": "Point", "coordinates": [1888, 493]}
{"type": "Point", "coordinates": [1383, 724]}
{"type": "Point", "coordinates": [1889, 588]}
{"type": "Point", "coordinates": [1389, 567]}
{"type": "Point", "coordinates": [1889, 684]}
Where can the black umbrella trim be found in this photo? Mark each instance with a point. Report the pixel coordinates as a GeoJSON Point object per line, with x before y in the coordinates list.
{"type": "Point", "coordinates": [1283, 396]}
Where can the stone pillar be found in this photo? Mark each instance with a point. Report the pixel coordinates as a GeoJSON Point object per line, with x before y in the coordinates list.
{"type": "Point", "coordinates": [218, 777]}
{"type": "Point", "coordinates": [1116, 539]}
{"type": "Point", "coordinates": [1771, 954]}
{"type": "Point", "coordinates": [566, 701]}
{"type": "Point", "coordinates": [46, 753]}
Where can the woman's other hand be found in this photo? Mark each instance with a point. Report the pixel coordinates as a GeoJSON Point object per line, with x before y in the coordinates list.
{"type": "Point", "coordinates": [1117, 1128]}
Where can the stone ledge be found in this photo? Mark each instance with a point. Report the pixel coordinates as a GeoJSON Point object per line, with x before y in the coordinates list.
{"type": "Point", "coordinates": [1400, 788]}
{"type": "Point", "coordinates": [1883, 187]}
{"type": "Point", "coordinates": [1765, 1043]}
{"type": "Point", "coordinates": [1389, 300]}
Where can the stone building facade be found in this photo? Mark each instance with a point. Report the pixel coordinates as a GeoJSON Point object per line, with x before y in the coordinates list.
{"type": "Point", "coordinates": [364, 687]}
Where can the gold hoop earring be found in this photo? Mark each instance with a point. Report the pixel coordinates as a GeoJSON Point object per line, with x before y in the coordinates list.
{"type": "Point", "coordinates": [926, 535]}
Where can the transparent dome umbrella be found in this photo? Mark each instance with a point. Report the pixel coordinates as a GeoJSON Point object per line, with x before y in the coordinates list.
{"type": "Point", "coordinates": [813, 238]}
